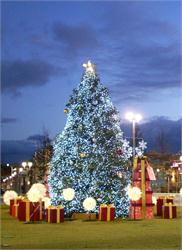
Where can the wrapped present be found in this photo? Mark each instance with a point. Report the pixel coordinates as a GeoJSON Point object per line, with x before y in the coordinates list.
{"type": "Point", "coordinates": [103, 212]}
{"type": "Point", "coordinates": [169, 199]}
{"type": "Point", "coordinates": [30, 211]}
{"type": "Point", "coordinates": [12, 202]}
{"type": "Point", "coordinates": [149, 214]}
{"type": "Point", "coordinates": [161, 201]}
{"type": "Point", "coordinates": [148, 197]}
{"type": "Point", "coordinates": [55, 214]}
{"type": "Point", "coordinates": [111, 212]}
{"type": "Point", "coordinates": [137, 174]}
{"type": "Point", "coordinates": [136, 211]}
{"type": "Point", "coordinates": [15, 210]}
{"type": "Point", "coordinates": [169, 211]}
{"type": "Point", "coordinates": [148, 186]}
{"type": "Point", "coordinates": [137, 184]}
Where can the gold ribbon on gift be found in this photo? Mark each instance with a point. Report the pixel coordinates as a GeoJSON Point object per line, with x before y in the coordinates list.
{"type": "Point", "coordinates": [16, 200]}
{"type": "Point", "coordinates": [27, 209]}
{"type": "Point", "coordinates": [40, 210]}
{"type": "Point", "coordinates": [170, 205]}
{"type": "Point", "coordinates": [109, 211]}
{"type": "Point", "coordinates": [49, 212]}
{"type": "Point", "coordinates": [135, 162]}
{"type": "Point", "coordinates": [102, 205]}
{"type": "Point", "coordinates": [58, 213]}
{"type": "Point", "coordinates": [143, 187]}
{"type": "Point", "coordinates": [16, 209]}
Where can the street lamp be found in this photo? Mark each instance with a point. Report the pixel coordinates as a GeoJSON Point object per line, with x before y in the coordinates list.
{"type": "Point", "coordinates": [133, 118]}
{"type": "Point", "coordinates": [27, 164]}
{"type": "Point", "coordinates": [26, 167]}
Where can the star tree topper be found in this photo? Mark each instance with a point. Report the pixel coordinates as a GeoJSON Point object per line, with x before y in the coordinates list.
{"type": "Point", "coordinates": [89, 67]}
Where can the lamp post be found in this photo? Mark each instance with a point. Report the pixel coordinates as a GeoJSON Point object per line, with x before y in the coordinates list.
{"type": "Point", "coordinates": [134, 118]}
{"type": "Point", "coordinates": [26, 167]}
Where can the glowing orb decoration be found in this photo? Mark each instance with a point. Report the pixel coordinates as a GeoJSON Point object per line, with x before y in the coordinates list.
{"type": "Point", "coordinates": [89, 203]}
{"type": "Point", "coordinates": [36, 192]}
{"type": "Point", "coordinates": [154, 200]}
{"type": "Point", "coordinates": [134, 193]}
{"type": "Point", "coordinates": [68, 194]}
{"type": "Point", "coordinates": [47, 202]}
{"type": "Point", "coordinates": [9, 195]}
{"type": "Point", "coordinates": [180, 192]}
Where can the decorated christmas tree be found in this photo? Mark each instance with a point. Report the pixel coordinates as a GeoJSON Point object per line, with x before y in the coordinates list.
{"type": "Point", "coordinates": [90, 155]}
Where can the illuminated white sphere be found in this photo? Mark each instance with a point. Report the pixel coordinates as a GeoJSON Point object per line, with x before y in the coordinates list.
{"type": "Point", "coordinates": [89, 203]}
{"type": "Point", "coordinates": [68, 194]}
{"type": "Point", "coordinates": [134, 193]}
{"type": "Point", "coordinates": [8, 195]}
{"type": "Point", "coordinates": [154, 200]}
{"type": "Point", "coordinates": [36, 192]}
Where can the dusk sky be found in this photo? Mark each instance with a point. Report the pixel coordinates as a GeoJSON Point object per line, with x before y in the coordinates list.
{"type": "Point", "coordinates": [135, 46]}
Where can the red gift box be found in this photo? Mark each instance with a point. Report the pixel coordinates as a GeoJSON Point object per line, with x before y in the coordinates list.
{"type": "Point", "coordinates": [55, 214]}
{"type": "Point", "coordinates": [161, 201]}
{"type": "Point", "coordinates": [148, 197]}
{"type": "Point", "coordinates": [15, 210]}
{"type": "Point", "coordinates": [30, 211]}
{"type": "Point", "coordinates": [111, 212]}
{"type": "Point", "coordinates": [169, 200]}
{"type": "Point", "coordinates": [12, 202]}
{"type": "Point", "coordinates": [148, 186]}
{"type": "Point", "coordinates": [107, 212]}
{"type": "Point", "coordinates": [169, 211]}
{"type": "Point", "coordinates": [149, 214]}
{"type": "Point", "coordinates": [103, 212]}
{"type": "Point", "coordinates": [136, 211]}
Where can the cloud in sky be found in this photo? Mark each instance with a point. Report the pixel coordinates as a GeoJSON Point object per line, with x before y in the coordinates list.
{"type": "Point", "coordinates": [135, 46]}
{"type": "Point", "coordinates": [144, 52]}
{"type": "Point", "coordinates": [75, 37]}
{"type": "Point", "coordinates": [6, 120]}
{"type": "Point", "coordinates": [18, 74]}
